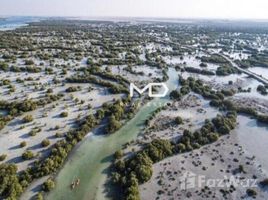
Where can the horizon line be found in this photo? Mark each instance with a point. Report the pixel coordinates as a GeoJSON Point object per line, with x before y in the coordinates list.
{"type": "Point", "coordinates": [141, 17]}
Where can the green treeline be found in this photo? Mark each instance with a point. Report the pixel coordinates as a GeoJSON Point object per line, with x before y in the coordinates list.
{"type": "Point", "coordinates": [12, 184]}
{"type": "Point", "coordinates": [130, 172]}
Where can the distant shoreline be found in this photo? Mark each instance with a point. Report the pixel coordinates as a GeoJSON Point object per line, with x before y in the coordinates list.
{"type": "Point", "coordinates": [14, 22]}
{"type": "Point", "coordinates": [141, 18]}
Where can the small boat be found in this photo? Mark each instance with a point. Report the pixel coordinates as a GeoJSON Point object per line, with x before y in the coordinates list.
{"type": "Point", "coordinates": [72, 185]}
{"type": "Point", "coordinates": [75, 183]}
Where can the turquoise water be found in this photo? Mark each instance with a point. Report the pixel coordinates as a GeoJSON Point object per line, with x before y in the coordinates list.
{"type": "Point", "coordinates": [90, 161]}
{"type": "Point", "coordinates": [3, 112]}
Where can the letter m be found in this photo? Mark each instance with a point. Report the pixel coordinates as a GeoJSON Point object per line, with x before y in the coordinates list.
{"type": "Point", "coordinates": [149, 86]}
{"type": "Point", "coordinates": [134, 87]}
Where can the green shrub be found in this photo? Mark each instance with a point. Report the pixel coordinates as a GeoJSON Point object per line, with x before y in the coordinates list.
{"type": "Point", "coordinates": [50, 90]}
{"type": "Point", "coordinates": [262, 89]}
{"type": "Point", "coordinates": [27, 119]}
{"type": "Point", "coordinates": [64, 114]}
{"type": "Point", "coordinates": [178, 120]}
{"type": "Point", "coordinates": [264, 183]}
{"type": "Point", "coordinates": [113, 125]}
{"type": "Point", "coordinates": [48, 185]}
{"type": "Point", "coordinates": [118, 154]}
{"type": "Point", "coordinates": [45, 143]}
{"type": "Point", "coordinates": [176, 95]}
{"type": "Point", "coordinates": [10, 186]}
{"type": "Point", "coordinates": [34, 131]}
{"type": "Point", "coordinates": [27, 155]}
{"type": "Point", "coordinates": [226, 70]}
{"type": "Point", "coordinates": [39, 196]}
{"type": "Point", "coordinates": [3, 157]}
{"type": "Point", "coordinates": [29, 62]}
{"type": "Point", "coordinates": [58, 135]}
{"type": "Point", "coordinates": [73, 89]}
{"type": "Point", "coordinates": [23, 144]}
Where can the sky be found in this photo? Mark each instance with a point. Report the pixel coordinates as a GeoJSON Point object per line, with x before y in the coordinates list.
{"type": "Point", "coordinates": [226, 9]}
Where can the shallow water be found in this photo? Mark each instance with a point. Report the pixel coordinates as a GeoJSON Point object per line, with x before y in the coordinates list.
{"type": "Point", "coordinates": [89, 162]}
{"type": "Point", "coordinates": [262, 71]}
{"type": "Point", "coordinates": [11, 23]}
{"type": "Point", "coordinates": [253, 137]}
{"type": "Point", "coordinates": [3, 112]}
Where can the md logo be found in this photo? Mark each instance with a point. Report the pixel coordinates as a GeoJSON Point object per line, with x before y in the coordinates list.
{"type": "Point", "coordinates": [150, 88]}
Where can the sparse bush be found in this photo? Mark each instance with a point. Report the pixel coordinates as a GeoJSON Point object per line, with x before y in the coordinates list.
{"type": "Point", "coordinates": [27, 119]}
{"type": "Point", "coordinates": [262, 90]}
{"type": "Point", "coordinates": [45, 143]}
{"type": "Point", "coordinates": [64, 114]}
{"type": "Point", "coordinates": [58, 135]}
{"type": "Point", "coordinates": [50, 90]}
{"type": "Point", "coordinates": [118, 154]}
{"type": "Point", "coordinates": [27, 155]}
{"type": "Point", "coordinates": [251, 192]}
{"type": "Point", "coordinates": [178, 120]}
{"type": "Point", "coordinates": [28, 62]}
{"type": "Point", "coordinates": [3, 157]}
{"type": "Point", "coordinates": [73, 89]}
{"type": "Point", "coordinates": [39, 196]}
{"type": "Point", "coordinates": [264, 183]}
{"type": "Point", "coordinates": [34, 131]}
{"type": "Point", "coordinates": [23, 144]}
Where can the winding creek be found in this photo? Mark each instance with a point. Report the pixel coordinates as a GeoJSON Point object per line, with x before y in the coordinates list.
{"type": "Point", "coordinates": [89, 162]}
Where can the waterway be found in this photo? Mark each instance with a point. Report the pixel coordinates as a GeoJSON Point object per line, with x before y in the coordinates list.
{"type": "Point", "coordinates": [90, 161]}
{"type": "Point", "coordinates": [11, 23]}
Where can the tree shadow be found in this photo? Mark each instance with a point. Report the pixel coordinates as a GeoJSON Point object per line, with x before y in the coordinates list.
{"type": "Point", "coordinates": [15, 147]}
{"type": "Point", "coordinates": [36, 189]}
{"type": "Point", "coordinates": [15, 160]}
{"type": "Point", "coordinates": [37, 146]}
{"type": "Point", "coordinates": [15, 122]}
{"type": "Point", "coordinates": [110, 189]}
{"type": "Point", "coordinates": [24, 136]}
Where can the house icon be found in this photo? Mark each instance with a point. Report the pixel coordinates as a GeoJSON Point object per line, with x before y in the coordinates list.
{"type": "Point", "coordinates": [187, 180]}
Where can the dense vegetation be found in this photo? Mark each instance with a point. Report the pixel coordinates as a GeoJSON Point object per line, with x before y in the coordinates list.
{"type": "Point", "coordinates": [59, 152]}
{"type": "Point", "coordinates": [113, 88]}
{"type": "Point", "coordinates": [214, 58]}
{"type": "Point", "coordinates": [131, 171]}
{"type": "Point", "coordinates": [226, 70]}
{"type": "Point", "coordinates": [102, 47]}
{"type": "Point", "coordinates": [199, 71]}
{"type": "Point", "coordinates": [262, 89]}
{"type": "Point", "coordinates": [11, 186]}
